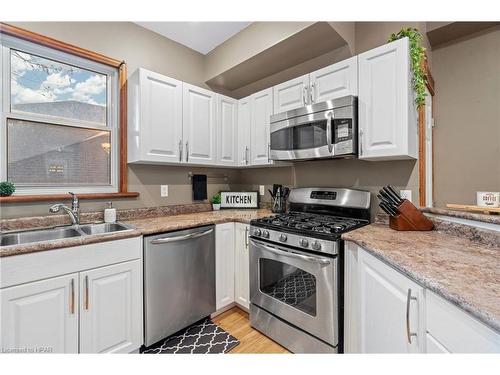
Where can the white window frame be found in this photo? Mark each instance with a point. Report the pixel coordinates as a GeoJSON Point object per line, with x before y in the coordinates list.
{"type": "Point", "coordinates": [112, 95]}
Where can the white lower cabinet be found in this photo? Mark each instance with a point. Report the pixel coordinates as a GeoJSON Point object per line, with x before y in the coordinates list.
{"type": "Point", "coordinates": [96, 307]}
{"type": "Point", "coordinates": [386, 312]}
{"type": "Point", "coordinates": [224, 265]}
{"type": "Point", "coordinates": [111, 308]}
{"type": "Point", "coordinates": [241, 265]}
{"type": "Point", "coordinates": [41, 316]}
{"type": "Point", "coordinates": [232, 265]}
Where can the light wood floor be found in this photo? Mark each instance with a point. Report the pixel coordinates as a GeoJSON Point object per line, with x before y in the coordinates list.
{"type": "Point", "coordinates": [236, 322]}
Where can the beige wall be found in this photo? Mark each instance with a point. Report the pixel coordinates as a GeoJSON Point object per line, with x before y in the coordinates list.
{"type": "Point", "coordinates": [467, 117]}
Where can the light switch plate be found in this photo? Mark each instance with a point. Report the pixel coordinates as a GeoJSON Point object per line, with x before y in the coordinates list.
{"type": "Point", "coordinates": [405, 194]}
{"type": "Point", "coordinates": [262, 189]}
{"type": "Point", "coordinates": [164, 190]}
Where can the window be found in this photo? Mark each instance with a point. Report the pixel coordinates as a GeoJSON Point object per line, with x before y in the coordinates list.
{"type": "Point", "coordinates": [59, 125]}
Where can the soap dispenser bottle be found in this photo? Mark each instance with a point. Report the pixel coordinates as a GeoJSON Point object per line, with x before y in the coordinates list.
{"type": "Point", "coordinates": [110, 213]}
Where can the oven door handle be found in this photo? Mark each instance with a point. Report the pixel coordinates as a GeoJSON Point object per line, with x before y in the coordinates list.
{"type": "Point", "coordinates": [329, 131]}
{"type": "Point", "coordinates": [321, 261]}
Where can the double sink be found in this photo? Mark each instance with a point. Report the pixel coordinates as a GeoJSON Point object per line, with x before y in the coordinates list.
{"type": "Point", "coordinates": [24, 237]}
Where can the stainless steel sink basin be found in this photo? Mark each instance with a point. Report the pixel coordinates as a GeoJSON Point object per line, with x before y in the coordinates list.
{"type": "Point", "coordinates": [104, 228]}
{"type": "Point", "coordinates": [37, 236]}
{"type": "Point", "coordinates": [17, 238]}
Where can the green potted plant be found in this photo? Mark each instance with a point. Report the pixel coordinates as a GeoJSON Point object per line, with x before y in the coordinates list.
{"type": "Point", "coordinates": [7, 188]}
{"type": "Point", "coordinates": [216, 202]}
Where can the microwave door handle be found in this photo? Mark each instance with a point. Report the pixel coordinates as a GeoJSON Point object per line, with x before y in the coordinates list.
{"type": "Point", "coordinates": [329, 131]}
{"type": "Point", "coordinates": [321, 261]}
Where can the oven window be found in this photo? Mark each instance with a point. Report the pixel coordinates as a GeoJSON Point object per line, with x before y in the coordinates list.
{"type": "Point", "coordinates": [288, 284]}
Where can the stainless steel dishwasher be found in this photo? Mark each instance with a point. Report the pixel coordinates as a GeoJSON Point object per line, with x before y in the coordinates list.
{"type": "Point", "coordinates": [179, 280]}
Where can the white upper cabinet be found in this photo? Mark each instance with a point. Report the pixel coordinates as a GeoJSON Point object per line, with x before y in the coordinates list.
{"type": "Point", "coordinates": [227, 131]}
{"type": "Point", "coordinates": [262, 109]}
{"type": "Point", "coordinates": [387, 114]}
{"type": "Point", "coordinates": [154, 118]}
{"type": "Point", "coordinates": [41, 315]}
{"type": "Point", "coordinates": [111, 308]}
{"type": "Point", "coordinates": [244, 131]}
{"type": "Point", "coordinates": [334, 81]}
{"type": "Point", "coordinates": [291, 94]}
{"type": "Point", "coordinates": [199, 125]}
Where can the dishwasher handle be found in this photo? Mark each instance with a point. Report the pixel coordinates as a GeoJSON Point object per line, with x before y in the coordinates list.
{"type": "Point", "coordinates": [184, 237]}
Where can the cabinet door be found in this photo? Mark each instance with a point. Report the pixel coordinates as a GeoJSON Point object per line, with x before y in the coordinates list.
{"type": "Point", "coordinates": [244, 124]}
{"type": "Point", "coordinates": [384, 295]}
{"type": "Point", "coordinates": [291, 94]}
{"type": "Point", "coordinates": [224, 264]}
{"type": "Point", "coordinates": [227, 130]}
{"type": "Point", "coordinates": [161, 118]}
{"type": "Point", "coordinates": [262, 108]}
{"type": "Point", "coordinates": [241, 265]}
{"type": "Point", "coordinates": [433, 346]}
{"type": "Point", "coordinates": [199, 125]}
{"type": "Point", "coordinates": [335, 81]}
{"type": "Point", "coordinates": [41, 316]}
{"type": "Point", "coordinates": [111, 308]}
{"type": "Point", "coordinates": [387, 117]}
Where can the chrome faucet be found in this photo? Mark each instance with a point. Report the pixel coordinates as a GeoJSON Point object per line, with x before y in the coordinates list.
{"type": "Point", "coordinates": [73, 212]}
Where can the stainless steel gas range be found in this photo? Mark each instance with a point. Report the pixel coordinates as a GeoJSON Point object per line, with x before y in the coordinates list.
{"type": "Point", "coordinates": [296, 262]}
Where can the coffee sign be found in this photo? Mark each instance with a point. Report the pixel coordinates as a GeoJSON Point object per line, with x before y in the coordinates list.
{"type": "Point", "coordinates": [239, 199]}
{"type": "Point", "coordinates": [488, 199]}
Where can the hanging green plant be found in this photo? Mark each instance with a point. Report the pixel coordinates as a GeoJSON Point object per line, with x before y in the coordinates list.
{"type": "Point", "coordinates": [417, 55]}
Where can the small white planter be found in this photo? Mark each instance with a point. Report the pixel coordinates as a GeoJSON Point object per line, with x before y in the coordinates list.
{"type": "Point", "coordinates": [216, 207]}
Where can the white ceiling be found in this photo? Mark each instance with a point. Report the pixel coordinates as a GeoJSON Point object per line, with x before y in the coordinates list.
{"type": "Point", "coordinates": [200, 36]}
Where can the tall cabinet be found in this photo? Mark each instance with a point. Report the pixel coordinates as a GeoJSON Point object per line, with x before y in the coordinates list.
{"type": "Point", "coordinates": [244, 124]}
{"type": "Point", "coordinates": [386, 110]}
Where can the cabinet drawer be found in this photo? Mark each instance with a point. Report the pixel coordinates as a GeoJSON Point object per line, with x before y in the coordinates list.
{"type": "Point", "coordinates": [456, 330]}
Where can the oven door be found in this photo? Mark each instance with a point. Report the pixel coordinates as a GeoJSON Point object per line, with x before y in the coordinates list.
{"type": "Point", "coordinates": [297, 287]}
{"type": "Point", "coordinates": [322, 134]}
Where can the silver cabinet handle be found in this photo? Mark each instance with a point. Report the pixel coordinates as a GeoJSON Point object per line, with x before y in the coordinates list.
{"type": "Point", "coordinates": [269, 153]}
{"type": "Point", "coordinates": [184, 237]}
{"type": "Point", "coordinates": [360, 142]}
{"type": "Point", "coordinates": [312, 92]}
{"type": "Point", "coordinates": [246, 155]}
{"type": "Point", "coordinates": [187, 151]}
{"type": "Point", "coordinates": [72, 303]}
{"type": "Point", "coordinates": [304, 93]}
{"type": "Point", "coordinates": [321, 261]}
{"type": "Point", "coordinates": [409, 334]}
{"type": "Point", "coordinates": [329, 131]}
{"type": "Point", "coordinates": [180, 149]}
{"type": "Point", "coordinates": [86, 292]}
{"type": "Point", "coordinates": [246, 237]}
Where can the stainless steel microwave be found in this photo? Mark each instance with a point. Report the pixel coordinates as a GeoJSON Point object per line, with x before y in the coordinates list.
{"type": "Point", "coordinates": [322, 130]}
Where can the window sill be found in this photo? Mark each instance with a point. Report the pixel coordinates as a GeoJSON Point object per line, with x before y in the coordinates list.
{"type": "Point", "coordinates": [58, 197]}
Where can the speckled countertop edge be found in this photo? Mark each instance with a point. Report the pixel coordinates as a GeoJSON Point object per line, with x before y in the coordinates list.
{"type": "Point", "coordinates": [493, 219]}
{"type": "Point", "coordinates": [142, 226]}
{"type": "Point", "coordinates": [491, 320]}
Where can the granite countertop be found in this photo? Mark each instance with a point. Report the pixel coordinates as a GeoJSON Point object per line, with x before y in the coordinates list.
{"type": "Point", "coordinates": [492, 219]}
{"type": "Point", "coordinates": [161, 224]}
{"type": "Point", "coordinates": [143, 226]}
{"type": "Point", "coordinates": [464, 272]}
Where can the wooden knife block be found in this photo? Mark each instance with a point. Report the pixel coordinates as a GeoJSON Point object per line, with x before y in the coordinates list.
{"type": "Point", "coordinates": [410, 218]}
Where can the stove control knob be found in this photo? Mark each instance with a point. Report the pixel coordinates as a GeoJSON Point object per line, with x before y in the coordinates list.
{"type": "Point", "coordinates": [265, 234]}
{"type": "Point", "coordinates": [316, 245]}
{"type": "Point", "coordinates": [256, 232]}
{"type": "Point", "coordinates": [283, 237]}
{"type": "Point", "coordinates": [304, 242]}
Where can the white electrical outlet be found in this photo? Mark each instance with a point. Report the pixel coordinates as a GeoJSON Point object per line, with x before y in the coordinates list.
{"type": "Point", "coordinates": [262, 189]}
{"type": "Point", "coordinates": [164, 190]}
{"type": "Point", "coordinates": [405, 194]}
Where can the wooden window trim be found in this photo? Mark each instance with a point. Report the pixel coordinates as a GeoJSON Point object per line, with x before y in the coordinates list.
{"type": "Point", "coordinates": [422, 180]}
{"type": "Point", "coordinates": [122, 127]}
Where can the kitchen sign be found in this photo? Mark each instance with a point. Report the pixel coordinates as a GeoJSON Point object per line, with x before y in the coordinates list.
{"type": "Point", "coordinates": [239, 199]}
